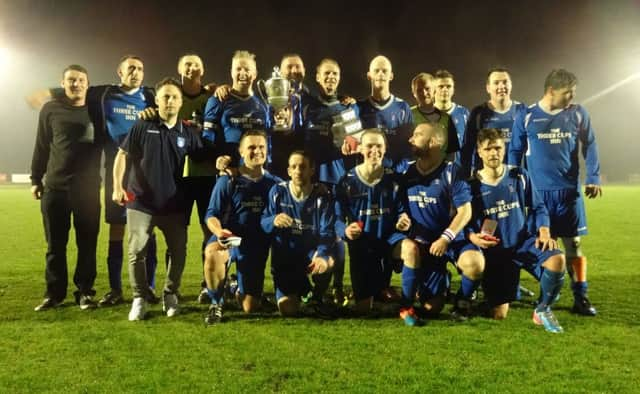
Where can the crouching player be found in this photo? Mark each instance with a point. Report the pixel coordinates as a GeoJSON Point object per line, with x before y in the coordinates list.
{"type": "Point", "coordinates": [370, 217]}
{"type": "Point", "coordinates": [300, 219]}
{"type": "Point", "coordinates": [439, 203]}
{"type": "Point", "coordinates": [235, 208]}
{"type": "Point", "coordinates": [502, 196]}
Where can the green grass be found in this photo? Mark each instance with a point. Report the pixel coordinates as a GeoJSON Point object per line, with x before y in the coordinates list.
{"type": "Point", "coordinates": [100, 351]}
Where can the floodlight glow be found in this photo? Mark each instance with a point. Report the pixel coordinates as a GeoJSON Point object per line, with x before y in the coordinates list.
{"type": "Point", "coordinates": [611, 88]}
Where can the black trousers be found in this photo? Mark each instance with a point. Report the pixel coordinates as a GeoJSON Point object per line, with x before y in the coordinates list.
{"type": "Point", "coordinates": [83, 204]}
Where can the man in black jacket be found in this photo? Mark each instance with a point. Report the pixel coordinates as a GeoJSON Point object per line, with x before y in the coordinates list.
{"type": "Point", "coordinates": [67, 151]}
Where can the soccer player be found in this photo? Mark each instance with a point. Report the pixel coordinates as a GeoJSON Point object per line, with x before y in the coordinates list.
{"type": "Point", "coordinates": [67, 150]}
{"type": "Point", "coordinates": [300, 219]}
{"type": "Point", "coordinates": [505, 207]}
{"type": "Point", "coordinates": [226, 121]}
{"type": "Point", "coordinates": [498, 113]}
{"type": "Point", "coordinates": [387, 112]}
{"type": "Point", "coordinates": [439, 204]}
{"type": "Point", "coordinates": [235, 208]}
{"type": "Point", "coordinates": [199, 176]}
{"type": "Point", "coordinates": [319, 124]}
{"type": "Point", "coordinates": [551, 133]}
{"type": "Point", "coordinates": [370, 217]}
{"type": "Point", "coordinates": [292, 68]}
{"type": "Point", "coordinates": [444, 88]}
{"type": "Point", "coordinates": [115, 109]}
{"type": "Point", "coordinates": [154, 153]}
{"type": "Point", "coordinates": [426, 112]}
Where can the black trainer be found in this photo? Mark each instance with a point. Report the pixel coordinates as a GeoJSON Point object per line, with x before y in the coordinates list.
{"type": "Point", "coordinates": [461, 310]}
{"type": "Point", "coordinates": [86, 301]}
{"type": "Point", "coordinates": [46, 304]}
{"type": "Point", "coordinates": [114, 297]}
{"type": "Point", "coordinates": [203, 297]}
{"type": "Point", "coordinates": [214, 315]}
{"type": "Point", "coordinates": [582, 306]}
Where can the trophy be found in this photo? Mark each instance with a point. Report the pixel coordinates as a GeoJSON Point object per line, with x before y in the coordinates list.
{"type": "Point", "coordinates": [276, 91]}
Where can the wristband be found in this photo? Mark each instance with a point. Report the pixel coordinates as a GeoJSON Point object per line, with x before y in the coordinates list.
{"type": "Point", "coordinates": [448, 234]}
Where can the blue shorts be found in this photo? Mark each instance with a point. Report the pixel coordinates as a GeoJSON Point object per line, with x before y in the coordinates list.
{"type": "Point", "coordinates": [566, 211]}
{"type": "Point", "coordinates": [367, 260]}
{"type": "Point", "coordinates": [435, 280]}
{"type": "Point", "coordinates": [290, 276]}
{"type": "Point", "coordinates": [502, 269]}
{"type": "Point", "coordinates": [251, 261]}
{"type": "Point", "coordinates": [113, 213]}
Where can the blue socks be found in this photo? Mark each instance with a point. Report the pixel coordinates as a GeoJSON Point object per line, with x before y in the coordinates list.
{"type": "Point", "coordinates": [114, 264]}
{"type": "Point", "coordinates": [409, 284]}
{"type": "Point", "coordinates": [579, 289]}
{"type": "Point", "coordinates": [467, 287]}
{"type": "Point", "coordinates": [550, 285]}
{"type": "Point", "coordinates": [215, 296]}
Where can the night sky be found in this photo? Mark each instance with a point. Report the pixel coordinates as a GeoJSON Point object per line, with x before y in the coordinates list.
{"type": "Point", "coordinates": [597, 40]}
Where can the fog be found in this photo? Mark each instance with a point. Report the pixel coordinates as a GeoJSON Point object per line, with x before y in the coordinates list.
{"type": "Point", "coordinates": [598, 41]}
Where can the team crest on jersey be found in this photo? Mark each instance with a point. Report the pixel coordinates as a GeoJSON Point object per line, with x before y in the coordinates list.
{"type": "Point", "coordinates": [181, 142]}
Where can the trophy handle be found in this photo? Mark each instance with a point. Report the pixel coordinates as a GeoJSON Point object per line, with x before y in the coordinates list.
{"type": "Point", "coordinates": [261, 89]}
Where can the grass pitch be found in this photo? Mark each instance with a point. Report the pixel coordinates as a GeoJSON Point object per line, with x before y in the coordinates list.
{"type": "Point", "coordinates": [69, 350]}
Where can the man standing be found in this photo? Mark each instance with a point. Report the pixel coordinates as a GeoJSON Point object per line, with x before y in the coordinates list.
{"type": "Point", "coordinates": [551, 133]}
{"type": "Point", "coordinates": [155, 152]}
{"type": "Point", "coordinates": [444, 87]}
{"type": "Point", "coordinates": [505, 207]}
{"type": "Point", "coordinates": [497, 113]}
{"type": "Point", "coordinates": [68, 152]}
{"type": "Point", "coordinates": [384, 111]}
{"type": "Point", "coordinates": [426, 112]}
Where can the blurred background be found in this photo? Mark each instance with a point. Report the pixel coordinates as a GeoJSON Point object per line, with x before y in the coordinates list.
{"type": "Point", "coordinates": [599, 41]}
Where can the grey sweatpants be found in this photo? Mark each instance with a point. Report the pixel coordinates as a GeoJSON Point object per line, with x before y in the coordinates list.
{"type": "Point", "coordinates": [140, 226]}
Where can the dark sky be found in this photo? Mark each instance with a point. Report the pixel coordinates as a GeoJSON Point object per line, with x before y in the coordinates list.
{"type": "Point", "coordinates": [597, 40]}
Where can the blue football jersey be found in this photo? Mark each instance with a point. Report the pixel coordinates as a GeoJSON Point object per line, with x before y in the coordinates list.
{"type": "Point", "coordinates": [432, 199]}
{"type": "Point", "coordinates": [551, 142]}
{"type": "Point", "coordinates": [313, 226]}
{"type": "Point", "coordinates": [396, 120]}
{"type": "Point", "coordinates": [238, 203]}
{"type": "Point", "coordinates": [513, 203]}
{"type": "Point", "coordinates": [317, 115]}
{"type": "Point", "coordinates": [226, 121]}
{"type": "Point", "coordinates": [121, 111]}
{"type": "Point", "coordinates": [483, 117]}
{"type": "Point", "coordinates": [460, 117]}
{"type": "Point", "coordinates": [377, 206]}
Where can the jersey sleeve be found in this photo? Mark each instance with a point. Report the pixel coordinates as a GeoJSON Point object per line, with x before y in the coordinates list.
{"type": "Point", "coordinates": [270, 211]}
{"type": "Point", "coordinates": [518, 144]}
{"type": "Point", "coordinates": [341, 210]}
{"type": "Point", "coordinates": [212, 119]}
{"type": "Point", "coordinates": [220, 198]}
{"type": "Point", "coordinates": [468, 151]}
{"type": "Point", "coordinates": [132, 143]}
{"type": "Point", "coordinates": [589, 149]}
{"type": "Point", "coordinates": [460, 190]}
{"type": "Point", "coordinates": [42, 148]}
{"type": "Point", "coordinates": [326, 226]}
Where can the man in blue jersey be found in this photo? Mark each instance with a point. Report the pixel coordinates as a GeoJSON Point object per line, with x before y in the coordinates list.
{"type": "Point", "coordinates": [444, 87]}
{"type": "Point", "coordinates": [154, 151]}
{"type": "Point", "coordinates": [511, 225]}
{"type": "Point", "coordinates": [551, 133]}
{"type": "Point", "coordinates": [226, 121]}
{"type": "Point", "coordinates": [370, 216]}
{"type": "Point", "coordinates": [300, 220]}
{"type": "Point", "coordinates": [235, 208]}
{"type": "Point", "coordinates": [116, 108]}
{"type": "Point", "coordinates": [384, 111]}
{"type": "Point", "coordinates": [499, 113]}
{"type": "Point", "coordinates": [425, 111]}
{"type": "Point", "coordinates": [439, 204]}
{"type": "Point", "coordinates": [325, 120]}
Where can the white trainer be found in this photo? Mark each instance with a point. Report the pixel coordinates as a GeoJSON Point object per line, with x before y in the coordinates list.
{"type": "Point", "coordinates": [170, 304]}
{"type": "Point", "coordinates": [138, 309]}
